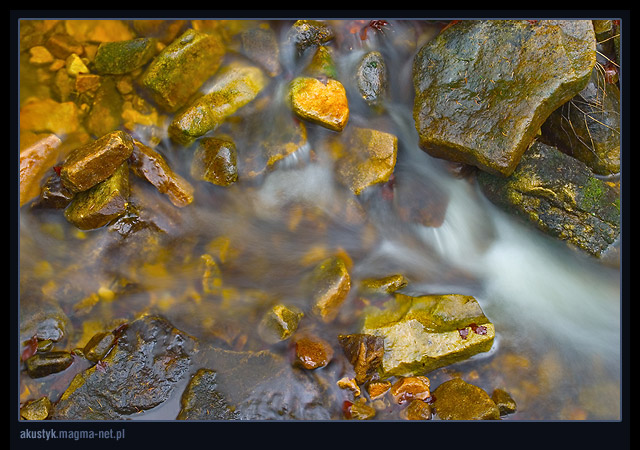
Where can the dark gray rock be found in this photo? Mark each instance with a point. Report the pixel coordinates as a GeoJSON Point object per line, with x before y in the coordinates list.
{"type": "Point", "coordinates": [142, 370]}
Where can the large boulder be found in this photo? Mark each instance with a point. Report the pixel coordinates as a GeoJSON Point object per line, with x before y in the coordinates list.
{"type": "Point", "coordinates": [484, 87]}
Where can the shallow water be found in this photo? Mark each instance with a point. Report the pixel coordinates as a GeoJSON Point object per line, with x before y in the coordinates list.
{"type": "Point", "coordinates": [557, 313]}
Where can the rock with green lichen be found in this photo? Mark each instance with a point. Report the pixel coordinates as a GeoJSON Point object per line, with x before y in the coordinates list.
{"type": "Point", "coordinates": [215, 160]}
{"type": "Point", "coordinates": [102, 203]}
{"type": "Point", "coordinates": [484, 87]}
{"type": "Point", "coordinates": [322, 64]}
{"type": "Point", "coordinates": [105, 114]}
{"type": "Point", "coordinates": [503, 400]}
{"type": "Point", "coordinates": [234, 86]}
{"type": "Point", "coordinates": [561, 197]}
{"type": "Point", "coordinates": [124, 56]}
{"type": "Point", "coordinates": [182, 67]}
{"type": "Point", "coordinates": [364, 157]}
{"type": "Point", "coordinates": [96, 161]}
{"type": "Point", "coordinates": [458, 400]}
{"type": "Point", "coordinates": [424, 333]}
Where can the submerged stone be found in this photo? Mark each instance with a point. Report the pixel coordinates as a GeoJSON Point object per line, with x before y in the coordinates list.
{"type": "Point", "coordinates": [235, 85]}
{"type": "Point", "coordinates": [215, 160]}
{"type": "Point", "coordinates": [560, 196]}
{"type": "Point", "coordinates": [106, 110]}
{"type": "Point", "coordinates": [484, 87]}
{"type": "Point", "coordinates": [372, 78]}
{"type": "Point", "coordinates": [329, 284]}
{"type": "Point", "coordinates": [365, 353]}
{"type": "Point", "coordinates": [312, 352]}
{"type": "Point", "coordinates": [182, 67]}
{"type": "Point", "coordinates": [124, 56]}
{"type": "Point", "coordinates": [458, 400]}
{"type": "Point", "coordinates": [261, 45]}
{"type": "Point", "coordinates": [308, 34]}
{"type": "Point", "coordinates": [142, 370]}
{"type": "Point", "coordinates": [323, 102]}
{"type": "Point", "coordinates": [43, 364]}
{"type": "Point", "coordinates": [202, 401]}
{"type": "Point", "coordinates": [365, 157]}
{"type": "Point", "coordinates": [35, 161]}
{"type": "Point", "coordinates": [279, 323]}
{"type": "Point", "coordinates": [102, 203]}
{"type": "Point", "coordinates": [96, 161]}
{"type": "Point", "coordinates": [150, 165]}
{"type": "Point", "coordinates": [424, 333]}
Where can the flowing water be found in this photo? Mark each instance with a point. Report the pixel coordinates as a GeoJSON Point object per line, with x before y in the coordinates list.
{"type": "Point", "coordinates": [556, 313]}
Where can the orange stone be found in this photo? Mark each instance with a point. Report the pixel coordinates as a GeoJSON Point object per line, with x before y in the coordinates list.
{"type": "Point", "coordinates": [321, 102]}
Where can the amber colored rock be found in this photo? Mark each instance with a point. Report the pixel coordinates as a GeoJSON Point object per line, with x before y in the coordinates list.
{"type": "Point", "coordinates": [50, 116]}
{"type": "Point", "coordinates": [323, 103]}
{"type": "Point", "coordinates": [458, 400]}
{"type": "Point", "coordinates": [365, 158]}
{"type": "Point", "coordinates": [102, 203]}
{"type": "Point", "coordinates": [365, 353]}
{"type": "Point", "coordinates": [279, 323]}
{"type": "Point", "coordinates": [418, 410]}
{"type": "Point", "coordinates": [150, 165]}
{"type": "Point", "coordinates": [409, 388]}
{"type": "Point", "coordinates": [215, 160]}
{"type": "Point", "coordinates": [182, 67]}
{"type": "Point", "coordinates": [329, 285]}
{"type": "Point", "coordinates": [377, 388]}
{"type": "Point", "coordinates": [94, 162]}
{"type": "Point", "coordinates": [35, 161]}
{"type": "Point", "coordinates": [358, 410]}
{"type": "Point", "coordinates": [36, 409]}
{"type": "Point", "coordinates": [312, 352]}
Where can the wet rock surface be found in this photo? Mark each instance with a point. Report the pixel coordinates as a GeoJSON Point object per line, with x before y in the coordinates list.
{"type": "Point", "coordinates": [423, 333]}
{"type": "Point", "coordinates": [484, 88]}
{"type": "Point", "coordinates": [143, 369]}
{"type": "Point", "coordinates": [254, 220]}
{"type": "Point", "coordinates": [561, 196]}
